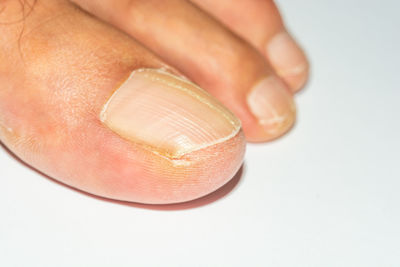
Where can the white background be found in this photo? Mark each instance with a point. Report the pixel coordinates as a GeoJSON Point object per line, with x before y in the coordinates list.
{"type": "Point", "coordinates": [327, 194]}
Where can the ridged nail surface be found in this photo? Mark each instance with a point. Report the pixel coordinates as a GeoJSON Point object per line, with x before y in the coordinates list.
{"type": "Point", "coordinates": [272, 104]}
{"type": "Point", "coordinates": [167, 114]}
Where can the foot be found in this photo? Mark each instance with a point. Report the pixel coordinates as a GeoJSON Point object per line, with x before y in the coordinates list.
{"type": "Point", "coordinates": [122, 117]}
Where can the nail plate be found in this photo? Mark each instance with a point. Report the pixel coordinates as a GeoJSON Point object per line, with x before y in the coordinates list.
{"type": "Point", "coordinates": [288, 59]}
{"type": "Point", "coordinates": [167, 114]}
{"type": "Point", "coordinates": [272, 104]}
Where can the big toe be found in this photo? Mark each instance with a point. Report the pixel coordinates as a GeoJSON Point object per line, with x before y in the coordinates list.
{"type": "Point", "coordinates": [95, 110]}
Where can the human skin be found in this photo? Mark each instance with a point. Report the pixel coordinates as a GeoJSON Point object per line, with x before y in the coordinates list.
{"type": "Point", "coordinates": [97, 94]}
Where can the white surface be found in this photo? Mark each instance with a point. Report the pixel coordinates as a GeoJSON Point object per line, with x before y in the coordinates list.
{"type": "Point", "coordinates": [325, 195]}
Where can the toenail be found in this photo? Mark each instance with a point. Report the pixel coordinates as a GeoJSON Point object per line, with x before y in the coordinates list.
{"type": "Point", "coordinates": [167, 114]}
{"type": "Point", "coordinates": [272, 104]}
{"type": "Point", "coordinates": [286, 56]}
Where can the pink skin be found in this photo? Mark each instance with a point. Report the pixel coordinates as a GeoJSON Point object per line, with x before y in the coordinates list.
{"type": "Point", "coordinates": [89, 156]}
{"type": "Point", "coordinates": [50, 106]}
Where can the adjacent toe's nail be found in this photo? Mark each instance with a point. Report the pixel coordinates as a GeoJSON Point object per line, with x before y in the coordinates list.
{"type": "Point", "coordinates": [272, 104]}
{"type": "Point", "coordinates": [288, 59]}
{"type": "Point", "coordinates": [167, 114]}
